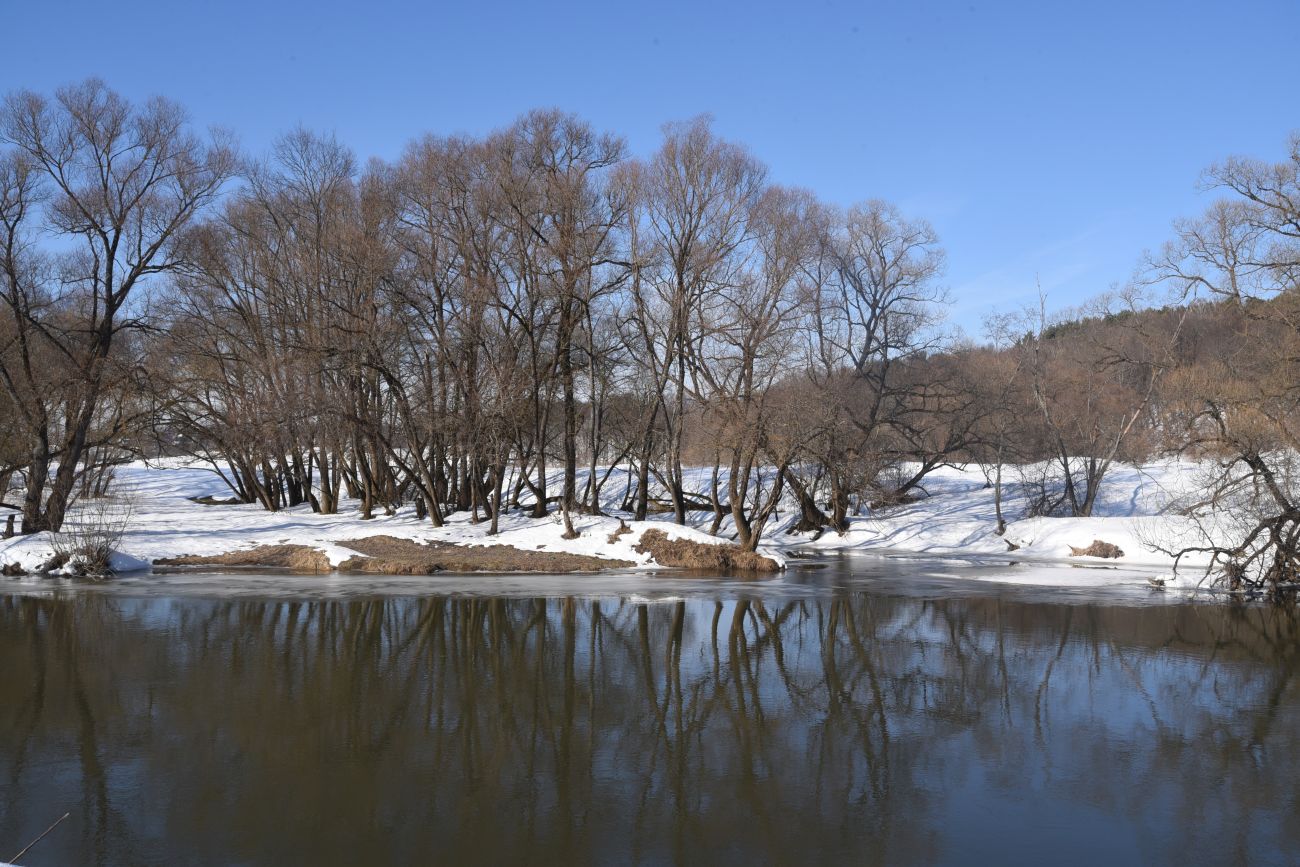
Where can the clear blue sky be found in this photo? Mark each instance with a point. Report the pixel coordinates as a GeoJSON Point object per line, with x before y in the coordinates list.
{"type": "Point", "coordinates": [1044, 140]}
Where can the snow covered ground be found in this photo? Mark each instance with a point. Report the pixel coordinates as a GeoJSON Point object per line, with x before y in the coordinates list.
{"type": "Point", "coordinates": [1133, 511]}
{"type": "Point", "coordinates": [955, 518]}
{"type": "Point", "coordinates": [165, 522]}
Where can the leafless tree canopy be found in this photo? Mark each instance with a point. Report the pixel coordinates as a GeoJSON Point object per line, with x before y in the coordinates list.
{"type": "Point", "coordinates": [110, 186]}
{"type": "Point", "coordinates": [496, 323]}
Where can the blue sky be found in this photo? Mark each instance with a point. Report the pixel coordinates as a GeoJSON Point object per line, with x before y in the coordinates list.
{"type": "Point", "coordinates": [1046, 141]}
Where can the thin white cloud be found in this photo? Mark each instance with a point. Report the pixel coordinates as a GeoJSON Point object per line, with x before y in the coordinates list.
{"type": "Point", "coordinates": [1069, 268]}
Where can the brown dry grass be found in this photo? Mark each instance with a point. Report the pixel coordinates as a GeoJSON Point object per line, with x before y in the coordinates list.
{"type": "Point", "coordinates": [685, 554]}
{"type": "Point", "coordinates": [394, 556]}
{"type": "Point", "coordinates": [296, 558]}
{"type": "Point", "coordinates": [1098, 548]}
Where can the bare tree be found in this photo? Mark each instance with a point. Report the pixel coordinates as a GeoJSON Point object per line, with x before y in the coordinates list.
{"type": "Point", "coordinates": [757, 315]}
{"type": "Point", "coordinates": [116, 183]}
{"type": "Point", "coordinates": [1242, 409]}
{"type": "Point", "coordinates": [557, 191]}
{"type": "Point", "coordinates": [876, 302]}
{"type": "Point", "coordinates": [697, 193]}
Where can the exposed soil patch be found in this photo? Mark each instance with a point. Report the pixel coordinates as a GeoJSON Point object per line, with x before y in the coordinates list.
{"type": "Point", "coordinates": [685, 554]}
{"type": "Point", "coordinates": [1098, 548]}
{"type": "Point", "coordinates": [393, 556]}
{"type": "Point", "coordinates": [390, 555]}
{"type": "Point", "coordinates": [296, 558]}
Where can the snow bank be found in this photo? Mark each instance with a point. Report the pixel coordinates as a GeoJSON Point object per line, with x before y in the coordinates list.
{"type": "Point", "coordinates": [956, 516]}
{"type": "Point", "coordinates": [166, 522]}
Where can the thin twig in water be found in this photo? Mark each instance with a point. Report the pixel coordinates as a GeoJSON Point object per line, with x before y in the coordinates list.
{"type": "Point", "coordinates": [14, 860]}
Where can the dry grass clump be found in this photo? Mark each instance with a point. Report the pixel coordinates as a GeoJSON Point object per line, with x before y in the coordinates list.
{"type": "Point", "coordinates": [295, 558]}
{"type": "Point", "coordinates": [1098, 548]}
{"type": "Point", "coordinates": [686, 554]}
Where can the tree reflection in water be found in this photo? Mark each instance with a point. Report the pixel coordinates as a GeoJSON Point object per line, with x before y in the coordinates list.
{"type": "Point", "coordinates": [864, 727]}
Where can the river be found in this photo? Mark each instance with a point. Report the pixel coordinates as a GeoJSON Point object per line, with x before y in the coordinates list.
{"type": "Point", "coordinates": [861, 710]}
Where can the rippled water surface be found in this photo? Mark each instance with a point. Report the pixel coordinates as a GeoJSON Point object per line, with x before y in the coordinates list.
{"type": "Point", "coordinates": [876, 711]}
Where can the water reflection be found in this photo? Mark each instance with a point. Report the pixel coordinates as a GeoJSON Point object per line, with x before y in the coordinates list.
{"type": "Point", "coordinates": [861, 727]}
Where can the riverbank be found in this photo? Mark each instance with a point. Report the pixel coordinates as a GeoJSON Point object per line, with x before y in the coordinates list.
{"type": "Point", "coordinates": [176, 516]}
{"type": "Point", "coordinates": [169, 525]}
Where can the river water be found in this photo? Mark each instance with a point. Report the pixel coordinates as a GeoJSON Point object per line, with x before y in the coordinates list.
{"type": "Point", "coordinates": [859, 710]}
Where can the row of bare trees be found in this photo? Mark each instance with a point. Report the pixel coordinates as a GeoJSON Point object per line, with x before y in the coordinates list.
{"type": "Point", "coordinates": [486, 318]}
{"type": "Point", "coordinates": [514, 320]}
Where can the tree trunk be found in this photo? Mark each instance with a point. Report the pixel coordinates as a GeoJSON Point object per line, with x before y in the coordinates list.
{"type": "Point", "coordinates": [811, 518]}
{"type": "Point", "coordinates": [38, 472]}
